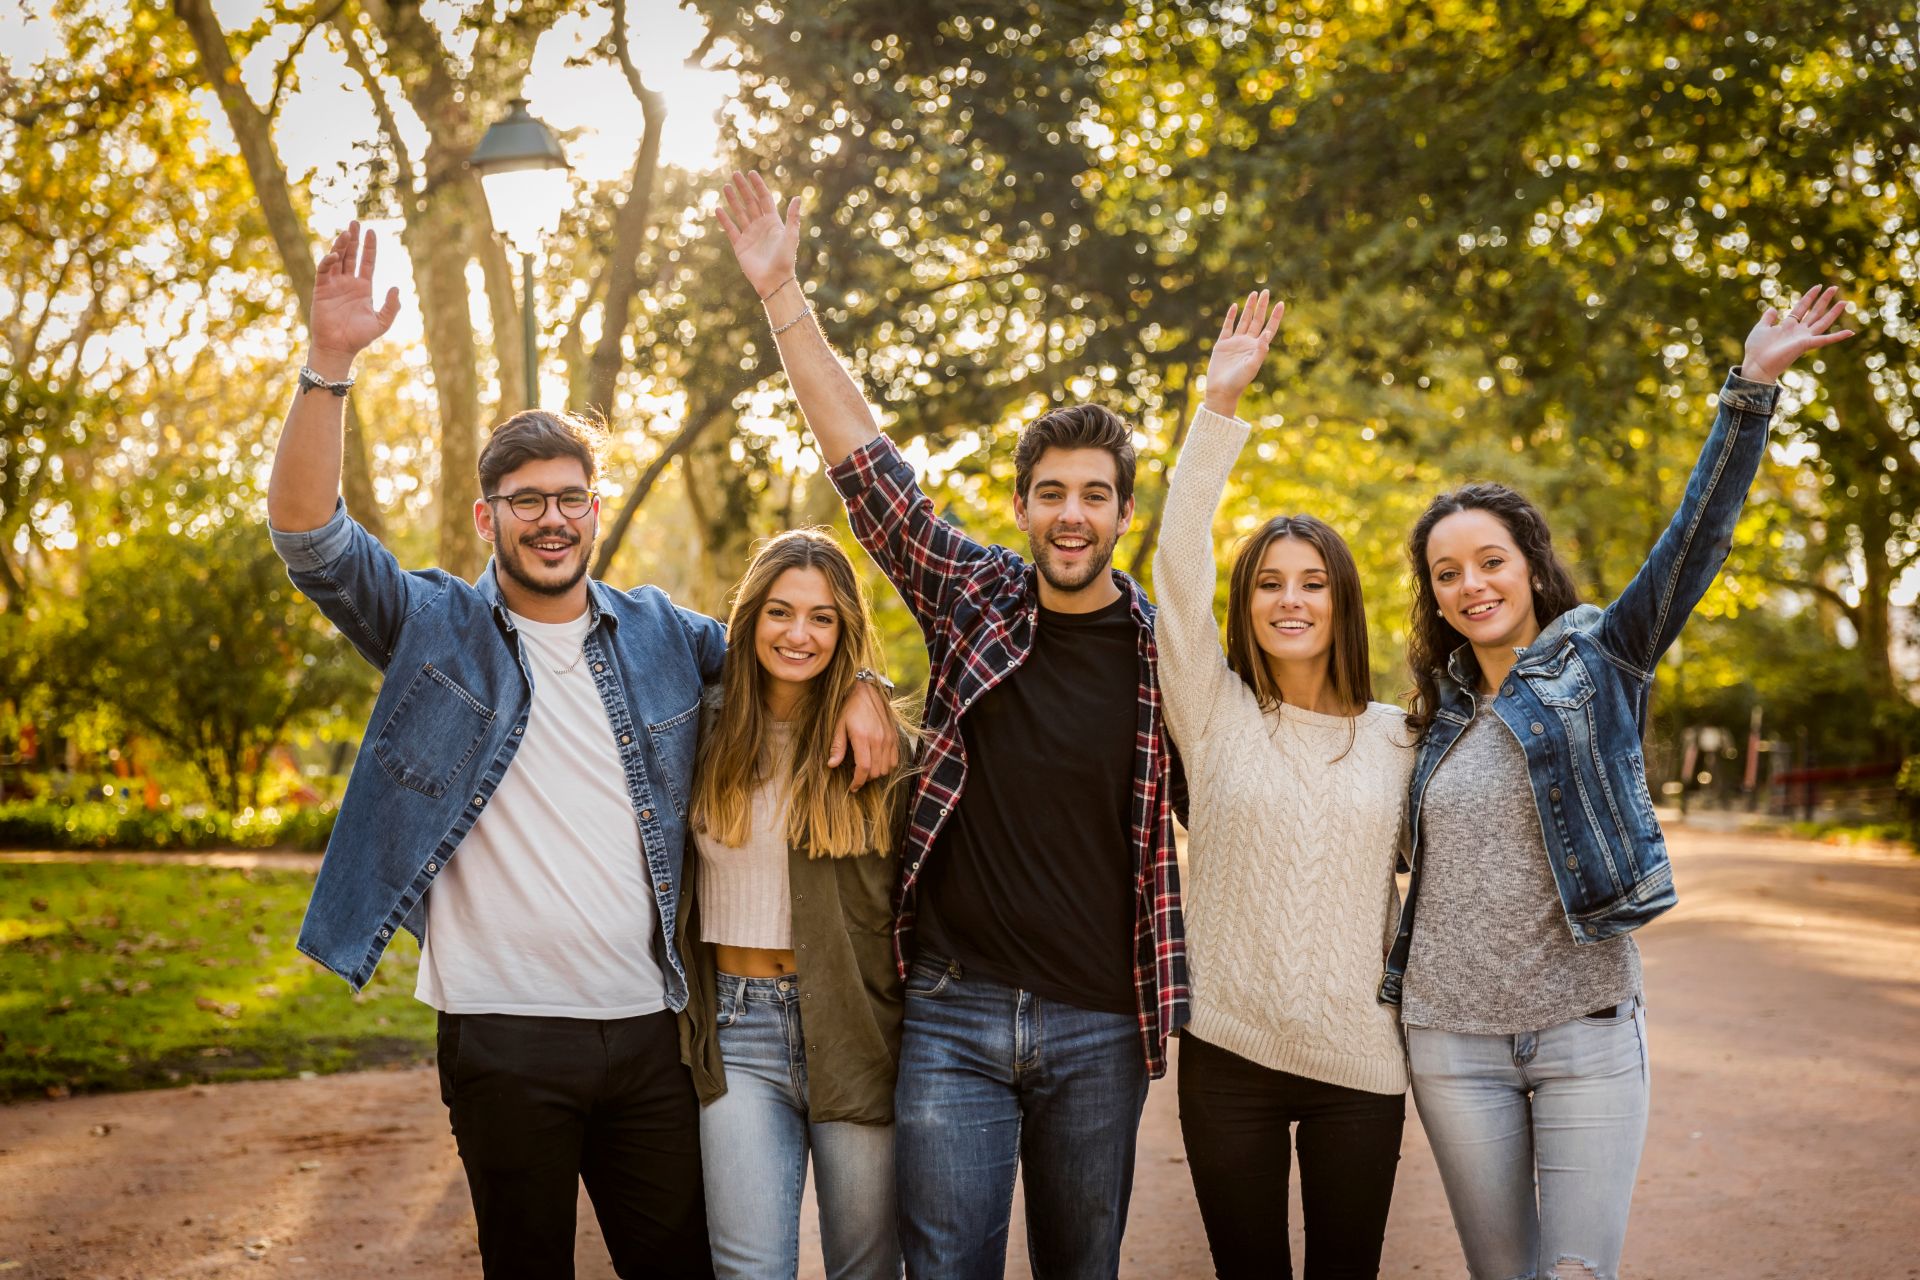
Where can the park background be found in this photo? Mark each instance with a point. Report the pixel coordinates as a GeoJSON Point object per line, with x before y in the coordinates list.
{"type": "Point", "coordinates": [1519, 242]}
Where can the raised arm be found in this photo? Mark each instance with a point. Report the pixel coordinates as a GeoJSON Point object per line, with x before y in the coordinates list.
{"type": "Point", "coordinates": [767, 245]}
{"type": "Point", "coordinates": [342, 323]}
{"type": "Point", "coordinates": [1648, 616]}
{"type": "Point", "coordinates": [921, 554]}
{"type": "Point", "coordinates": [1193, 667]}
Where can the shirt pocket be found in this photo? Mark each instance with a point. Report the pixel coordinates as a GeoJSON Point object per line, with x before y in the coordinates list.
{"type": "Point", "coordinates": [432, 734]}
{"type": "Point", "coordinates": [1564, 682]}
{"type": "Point", "coordinates": [674, 742]}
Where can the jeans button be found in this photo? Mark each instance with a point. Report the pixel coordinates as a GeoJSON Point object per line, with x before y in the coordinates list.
{"type": "Point", "coordinates": [1537, 727]}
{"type": "Point", "coordinates": [1573, 863]}
{"type": "Point", "coordinates": [1553, 793]}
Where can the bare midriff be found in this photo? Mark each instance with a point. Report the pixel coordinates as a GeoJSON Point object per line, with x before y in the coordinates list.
{"type": "Point", "coordinates": [753, 962]}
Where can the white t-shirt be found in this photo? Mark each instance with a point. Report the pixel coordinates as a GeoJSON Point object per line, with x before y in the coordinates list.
{"type": "Point", "coordinates": [547, 909]}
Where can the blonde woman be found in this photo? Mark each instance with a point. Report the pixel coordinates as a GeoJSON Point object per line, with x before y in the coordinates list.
{"type": "Point", "coordinates": [792, 1026]}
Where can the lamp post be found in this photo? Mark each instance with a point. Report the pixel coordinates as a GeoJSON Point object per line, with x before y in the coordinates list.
{"type": "Point", "coordinates": [524, 174]}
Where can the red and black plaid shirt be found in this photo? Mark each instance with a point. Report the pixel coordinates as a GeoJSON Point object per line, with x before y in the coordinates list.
{"type": "Point", "coordinates": [978, 607]}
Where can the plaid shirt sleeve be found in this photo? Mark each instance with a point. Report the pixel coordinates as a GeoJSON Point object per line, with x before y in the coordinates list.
{"type": "Point", "coordinates": [920, 553]}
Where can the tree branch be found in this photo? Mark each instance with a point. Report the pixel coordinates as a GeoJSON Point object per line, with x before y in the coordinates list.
{"type": "Point", "coordinates": [285, 68]}
{"type": "Point", "coordinates": [1812, 587]}
{"type": "Point", "coordinates": [684, 440]}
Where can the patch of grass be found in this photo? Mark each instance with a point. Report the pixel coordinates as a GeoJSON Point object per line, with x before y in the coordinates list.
{"type": "Point", "coordinates": [1854, 832]}
{"type": "Point", "coordinates": [130, 977]}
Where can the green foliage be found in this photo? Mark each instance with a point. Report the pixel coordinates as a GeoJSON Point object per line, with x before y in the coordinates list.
{"type": "Point", "coordinates": [1518, 243]}
{"type": "Point", "coordinates": [128, 977]}
{"type": "Point", "coordinates": [188, 632]}
{"type": "Point", "coordinates": [119, 215]}
{"type": "Point", "coordinates": [101, 824]}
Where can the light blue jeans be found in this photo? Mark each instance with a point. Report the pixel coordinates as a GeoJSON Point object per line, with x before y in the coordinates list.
{"type": "Point", "coordinates": [1538, 1139]}
{"type": "Point", "coordinates": [754, 1143]}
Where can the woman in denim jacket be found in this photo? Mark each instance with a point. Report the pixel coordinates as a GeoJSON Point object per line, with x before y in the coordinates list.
{"type": "Point", "coordinates": [1533, 844]}
{"type": "Point", "coordinates": [792, 1024]}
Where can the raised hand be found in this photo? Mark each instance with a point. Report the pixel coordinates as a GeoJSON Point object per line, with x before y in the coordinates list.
{"type": "Point", "coordinates": [1778, 340]}
{"type": "Point", "coordinates": [1240, 350]}
{"type": "Point", "coordinates": [765, 244]}
{"type": "Point", "coordinates": [343, 321]}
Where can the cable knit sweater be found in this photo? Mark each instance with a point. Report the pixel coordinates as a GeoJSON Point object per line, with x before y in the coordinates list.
{"type": "Point", "coordinates": [1290, 897]}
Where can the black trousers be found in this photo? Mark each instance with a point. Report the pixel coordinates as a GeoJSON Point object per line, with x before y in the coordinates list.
{"type": "Point", "coordinates": [1234, 1118]}
{"type": "Point", "coordinates": [538, 1104]}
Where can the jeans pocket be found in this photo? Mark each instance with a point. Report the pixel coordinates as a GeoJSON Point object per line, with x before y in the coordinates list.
{"type": "Point", "coordinates": [1622, 1013]}
{"type": "Point", "coordinates": [729, 1002]}
{"type": "Point", "coordinates": [925, 978]}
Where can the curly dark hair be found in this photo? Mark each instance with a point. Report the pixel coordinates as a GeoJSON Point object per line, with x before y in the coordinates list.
{"type": "Point", "coordinates": [1431, 639]}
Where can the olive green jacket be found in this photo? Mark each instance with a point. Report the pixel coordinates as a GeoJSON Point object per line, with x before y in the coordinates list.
{"type": "Point", "coordinates": [850, 998]}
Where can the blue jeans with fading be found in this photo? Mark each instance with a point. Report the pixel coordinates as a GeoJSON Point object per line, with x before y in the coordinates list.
{"type": "Point", "coordinates": [993, 1079]}
{"type": "Point", "coordinates": [1538, 1139]}
{"type": "Point", "coordinates": [754, 1142]}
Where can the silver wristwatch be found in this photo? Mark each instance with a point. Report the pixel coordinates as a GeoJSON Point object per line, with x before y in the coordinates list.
{"type": "Point", "coordinates": [311, 381]}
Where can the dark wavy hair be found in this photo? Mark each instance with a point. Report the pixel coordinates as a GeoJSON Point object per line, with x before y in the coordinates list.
{"type": "Point", "coordinates": [1076, 426]}
{"type": "Point", "coordinates": [1431, 638]}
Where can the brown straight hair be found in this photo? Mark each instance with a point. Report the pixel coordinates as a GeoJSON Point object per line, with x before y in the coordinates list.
{"type": "Point", "coordinates": [737, 755]}
{"type": "Point", "coordinates": [1348, 666]}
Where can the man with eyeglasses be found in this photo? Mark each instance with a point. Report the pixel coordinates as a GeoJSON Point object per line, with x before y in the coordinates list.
{"type": "Point", "coordinates": [540, 726]}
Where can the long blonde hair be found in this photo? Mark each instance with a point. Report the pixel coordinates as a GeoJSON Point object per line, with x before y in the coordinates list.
{"type": "Point", "coordinates": [737, 754]}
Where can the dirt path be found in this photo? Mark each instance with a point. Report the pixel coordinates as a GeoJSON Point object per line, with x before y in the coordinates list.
{"type": "Point", "coordinates": [1785, 1139]}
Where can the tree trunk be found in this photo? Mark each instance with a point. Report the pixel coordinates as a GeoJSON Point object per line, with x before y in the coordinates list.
{"type": "Point", "coordinates": [503, 304]}
{"type": "Point", "coordinates": [253, 132]}
{"type": "Point", "coordinates": [437, 235]}
{"type": "Point", "coordinates": [444, 221]}
{"type": "Point", "coordinates": [621, 274]}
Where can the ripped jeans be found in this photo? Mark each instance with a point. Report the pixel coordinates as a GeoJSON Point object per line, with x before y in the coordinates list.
{"type": "Point", "coordinates": [1538, 1139]}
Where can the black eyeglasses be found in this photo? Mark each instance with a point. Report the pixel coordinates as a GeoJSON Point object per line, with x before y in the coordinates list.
{"type": "Point", "coordinates": [531, 504]}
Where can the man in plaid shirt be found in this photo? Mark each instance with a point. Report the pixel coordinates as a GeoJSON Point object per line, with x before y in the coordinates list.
{"type": "Point", "coordinates": [1039, 927]}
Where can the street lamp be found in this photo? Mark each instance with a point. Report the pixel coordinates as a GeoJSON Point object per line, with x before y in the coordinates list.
{"type": "Point", "coordinates": [524, 173]}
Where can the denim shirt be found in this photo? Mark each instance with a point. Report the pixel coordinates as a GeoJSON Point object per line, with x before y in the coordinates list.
{"type": "Point", "coordinates": [450, 715]}
{"type": "Point", "coordinates": [1576, 700]}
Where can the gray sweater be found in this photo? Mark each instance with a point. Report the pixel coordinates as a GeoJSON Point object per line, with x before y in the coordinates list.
{"type": "Point", "coordinates": [1492, 952]}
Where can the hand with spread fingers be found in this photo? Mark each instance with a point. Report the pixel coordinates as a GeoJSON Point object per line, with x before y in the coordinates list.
{"type": "Point", "coordinates": [343, 321]}
{"type": "Point", "coordinates": [765, 244]}
{"type": "Point", "coordinates": [1783, 337]}
{"type": "Point", "coordinates": [1240, 350]}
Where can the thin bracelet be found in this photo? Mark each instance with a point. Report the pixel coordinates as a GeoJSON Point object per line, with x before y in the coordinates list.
{"type": "Point", "coordinates": [782, 328]}
{"type": "Point", "coordinates": [768, 296]}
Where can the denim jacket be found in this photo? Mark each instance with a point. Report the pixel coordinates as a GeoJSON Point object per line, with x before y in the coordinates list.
{"type": "Point", "coordinates": [1576, 700]}
{"type": "Point", "coordinates": [451, 713]}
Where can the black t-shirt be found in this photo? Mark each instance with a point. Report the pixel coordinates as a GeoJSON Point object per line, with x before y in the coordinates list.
{"type": "Point", "coordinates": [1031, 880]}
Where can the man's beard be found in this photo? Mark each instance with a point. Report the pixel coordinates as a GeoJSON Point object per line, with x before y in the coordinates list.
{"type": "Point", "coordinates": [1098, 562]}
{"type": "Point", "coordinates": [508, 558]}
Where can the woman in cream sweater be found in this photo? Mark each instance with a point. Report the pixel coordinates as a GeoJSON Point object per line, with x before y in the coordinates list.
{"type": "Point", "coordinates": [1297, 781]}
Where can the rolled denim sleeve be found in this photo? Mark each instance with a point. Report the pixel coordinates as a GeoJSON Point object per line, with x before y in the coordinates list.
{"type": "Point", "coordinates": [1647, 618]}
{"type": "Point", "coordinates": [355, 582]}
{"type": "Point", "coordinates": [709, 639]}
